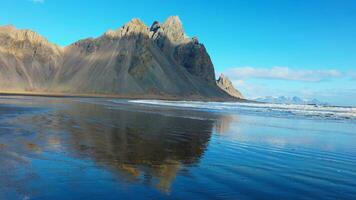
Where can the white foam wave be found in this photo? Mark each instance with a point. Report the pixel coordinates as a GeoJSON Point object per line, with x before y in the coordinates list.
{"type": "Point", "coordinates": [280, 110]}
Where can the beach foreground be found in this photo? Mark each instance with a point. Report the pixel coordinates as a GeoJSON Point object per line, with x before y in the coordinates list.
{"type": "Point", "coordinates": [101, 148]}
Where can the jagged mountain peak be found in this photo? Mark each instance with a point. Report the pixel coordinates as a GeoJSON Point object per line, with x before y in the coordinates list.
{"type": "Point", "coordinates": [132, 61]}
{"type": "Point", "coordinates": [173, 21]}
{"type": "Point", "coordinates": [23, 34]}
{"type": "Point", "coordinates": [25, 43]}
{"type": "Point", "coordinates": [222, 77]}
{"type": "Point", "coordinates": [135, 23]}
{"type": "Point", "coordinates": [155, 26]}
{"type": "Point", "coordinates": [134, 26]}
{"type": "Point", "coordinates": [225, 84]}
{"type": "Point", "coordinates": [173, 29]}
{"type": "Point", "coordinates": [224, 80]}
{"type": "Point", "coordinates": [9, 27]}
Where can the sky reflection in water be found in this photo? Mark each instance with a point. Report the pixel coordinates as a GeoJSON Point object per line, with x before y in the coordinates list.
{"type": "Point", "coordinates": [92, 148]}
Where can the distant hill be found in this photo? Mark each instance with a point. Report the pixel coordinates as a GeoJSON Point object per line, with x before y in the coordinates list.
{"type": "Point", "coordinates": [133, 61]}
{"type": "Point", "coordinates": [289, 100]}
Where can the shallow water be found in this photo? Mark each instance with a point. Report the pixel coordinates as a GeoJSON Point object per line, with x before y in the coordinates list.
{"type": "Point", "coordinates": [75, 148]}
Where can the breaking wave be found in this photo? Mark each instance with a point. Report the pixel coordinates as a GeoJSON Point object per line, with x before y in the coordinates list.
{"type": "Point", "coordinates": [276, 110]}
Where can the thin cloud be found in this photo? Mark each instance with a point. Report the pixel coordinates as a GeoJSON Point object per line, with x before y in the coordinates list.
{"type": "Point", "coordinates": [283, 73]}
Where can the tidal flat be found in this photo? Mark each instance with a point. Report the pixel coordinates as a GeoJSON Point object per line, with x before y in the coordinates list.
{"type": "Point", "coordinates": [100, 148]}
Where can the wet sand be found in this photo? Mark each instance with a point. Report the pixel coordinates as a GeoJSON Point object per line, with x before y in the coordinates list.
{"type": "Point", "coordinates": [78, 148]}
{"type": "Point", "coordinates": [117, 96]}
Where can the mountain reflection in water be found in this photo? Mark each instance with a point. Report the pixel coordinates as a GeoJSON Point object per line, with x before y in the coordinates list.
{"type": "Point", "coordinates": [77, 148]}
{"type": "Point", "coordinates": [146, 147]}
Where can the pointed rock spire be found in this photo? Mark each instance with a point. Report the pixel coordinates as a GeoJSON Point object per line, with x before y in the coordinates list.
{"type": "Point", "coordinates": [225, 84]}
{"type": "Point", "coordinates": [173, 29]}
{"type": "Point", "coordinates": [173, 21]}
{"type": "Point", "coordinates": [135, 26]}
{"type": "Point", "coordinates": [155, 26]}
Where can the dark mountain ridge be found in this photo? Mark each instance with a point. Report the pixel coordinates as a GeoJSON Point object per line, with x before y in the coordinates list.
{"type": "Point", "coordinates": [134, 61]}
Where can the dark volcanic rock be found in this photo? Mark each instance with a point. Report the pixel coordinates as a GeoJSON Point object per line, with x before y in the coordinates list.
{"type": "Point", "coordinates": [194, 57]}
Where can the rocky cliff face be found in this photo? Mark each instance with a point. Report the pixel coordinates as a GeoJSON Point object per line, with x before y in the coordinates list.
{"type": "Point", "coordinates": [132, 61]}
{"type": "Point", "coordinates": [225, 84]}
{"type": "Point", "coordinates": [27, 60]}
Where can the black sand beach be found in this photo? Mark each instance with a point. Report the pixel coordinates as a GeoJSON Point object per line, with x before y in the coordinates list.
{"type": "Point", "coordinates": [80, 148]}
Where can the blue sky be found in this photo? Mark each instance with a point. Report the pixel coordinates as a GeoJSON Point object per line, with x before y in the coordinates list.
{"type": "Point", "coordinates": [267, 47]}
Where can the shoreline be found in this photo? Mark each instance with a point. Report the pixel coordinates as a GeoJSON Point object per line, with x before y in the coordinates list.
{"type": "Point", "coordinates": [132, 97]}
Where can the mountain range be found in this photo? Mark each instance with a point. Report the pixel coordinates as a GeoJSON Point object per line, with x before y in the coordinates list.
{"type": "Point", "coordinates": [289, 100]}
{"type": "Point", "coordinates": [133, 61]}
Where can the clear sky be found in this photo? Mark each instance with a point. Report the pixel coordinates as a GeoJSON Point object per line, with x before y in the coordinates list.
{"type": "Point", "coordinates": [267, 47]}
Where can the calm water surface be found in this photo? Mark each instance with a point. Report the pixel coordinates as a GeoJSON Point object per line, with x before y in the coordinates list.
{"type": "Point", "coordinates": [52, 148]}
